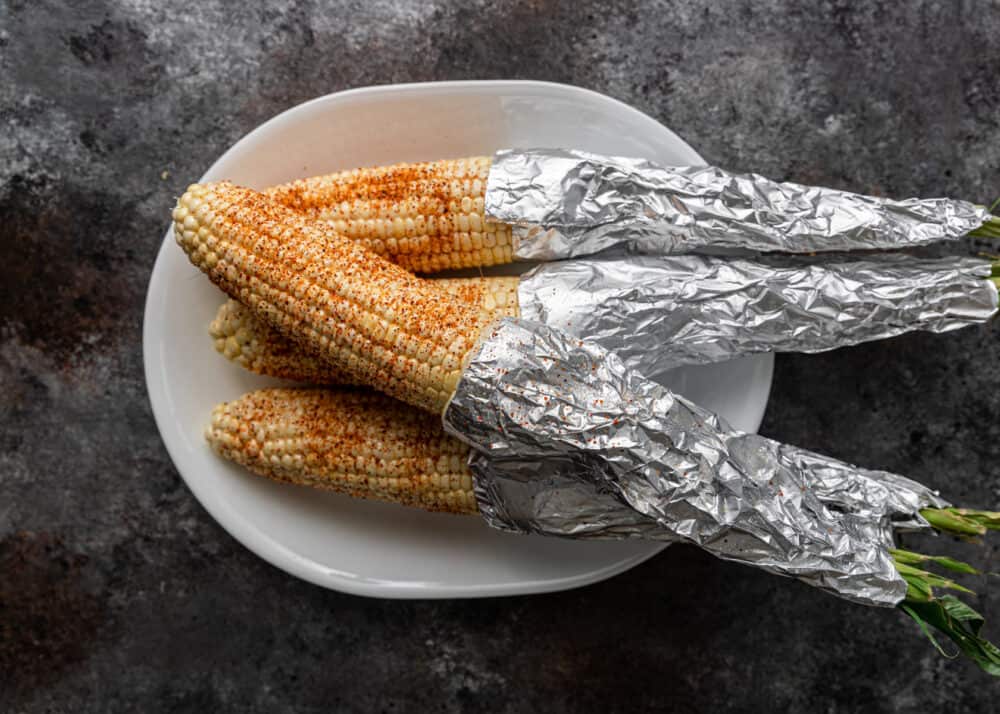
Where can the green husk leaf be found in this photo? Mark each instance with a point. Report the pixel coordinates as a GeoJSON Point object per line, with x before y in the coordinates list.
{"type": "Point", "coordinates": [946, 613]}
{"type": "Point", "coordinates": [990, 228]}
{"type": "Point", "coordinates": [987, 519]}
{"type": "Point", "coordinates": [927, 631]}
{"type": "Point", "coordinates": [917, 590]}
{"type": "Point", "coordinates": [914, 575]}
{"type": "Point", "coordinates": [960, 623]}
{"type": "Point", "coordinates": [947, 520]}
{"type": "Point", "coordinates": [910, 558]}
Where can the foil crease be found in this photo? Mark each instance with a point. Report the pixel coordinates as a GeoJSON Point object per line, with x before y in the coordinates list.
{"type": "Point", "coordinates": [564, 204]}
{"type": "Point", "coordinates": [659, 312]}
{"type": "Point", "coordinates": [569, 441]}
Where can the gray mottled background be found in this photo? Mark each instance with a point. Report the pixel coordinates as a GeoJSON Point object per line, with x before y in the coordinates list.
{"type": "Point", "coordinates": [118, 593]}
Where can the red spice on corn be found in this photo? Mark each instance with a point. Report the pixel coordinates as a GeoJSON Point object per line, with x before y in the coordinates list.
{"type": "Point", "coordinates": [356, 442]}
{"type": "Point", "coordinates": [427, 217]}
{"type": "Point", "coordinates": [242, 338]}
{"type": "Point", "coordinates": [379, 324]}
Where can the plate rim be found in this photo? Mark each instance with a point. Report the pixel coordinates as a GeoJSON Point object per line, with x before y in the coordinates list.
{"type": "Point", "coordinates": [281, 556]}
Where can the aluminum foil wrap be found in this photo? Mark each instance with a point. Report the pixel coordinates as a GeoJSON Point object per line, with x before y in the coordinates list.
{"type": "Point", "coordinates": [569, 441]}
{"type": "Point", "coordinates": [658, 312]}
{"type": "Point", "coordinates": [564, 204]}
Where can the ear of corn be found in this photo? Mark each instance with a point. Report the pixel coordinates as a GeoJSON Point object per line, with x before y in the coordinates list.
{"type": "Point", "coordinates": [355, 442]}
{"type": "Point", "coordinates": [380, 325]}
{"type": "Point", "coordinates": [426, 217]}
{"type": "Point", "coordinates": [241, 337]}
{"type": "Point", "coordinates": [255, 345]}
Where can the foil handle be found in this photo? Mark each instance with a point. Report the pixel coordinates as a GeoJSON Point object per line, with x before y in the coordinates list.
{"type": "Point", "coordinates": [563, 204]}
{"type": "Point", "coordinates": [660, 312]}
{"type": "Point", "coordinates": [572, 442]}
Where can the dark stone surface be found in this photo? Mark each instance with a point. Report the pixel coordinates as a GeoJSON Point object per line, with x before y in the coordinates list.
{"type": "Point", "coordinates": [117, 591]}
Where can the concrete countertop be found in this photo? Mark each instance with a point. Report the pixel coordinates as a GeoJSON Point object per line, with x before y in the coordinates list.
{"type": "Point", "coordinates": [119, 593]}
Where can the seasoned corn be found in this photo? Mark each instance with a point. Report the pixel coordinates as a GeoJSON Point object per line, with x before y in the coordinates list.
{"type": "Point", "coordinates": [254, 345]}
{"type": "Point", "coordinates": [426, 217]}
{"type": "Point", "coordinates": [374, 321]}
{"type": "Point", "coordinates": [356, 442]}
{"type": "Point", "coordinates": [242, 338]}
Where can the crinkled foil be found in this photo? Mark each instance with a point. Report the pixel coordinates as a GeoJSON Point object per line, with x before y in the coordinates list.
{"type": "Point", "coordinates": [572, 442]}
{"type": "Point", "coordinates": [658, 312]}
{"type": "Point", "coordinates": [545, 495]}
{"type": "Point", "coordinates": [564, 204]}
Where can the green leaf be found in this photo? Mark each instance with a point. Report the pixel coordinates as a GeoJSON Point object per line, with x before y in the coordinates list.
{"type": "Point", "coordinates": [990, 228]}
{"type": "Point", "coordinates": [956, 566]}
{"type": "Point", "coordinates": [917, 590]}
{"type": "Point", "coordinates": [960, 611]}
{"type": "Point", "coordinates": [947, 614]}
{"type": "Point", "coordinates": [911, 558]}
{"type": "Point", "coordinates": [987, 519]}
{"type": "Point", "coordinates": [931, 580]}
{"type": "Point", "coordinates": [927, 631]}
{"type": "Point", "coordinates": [960, 623]}
{"type": "Point", "coordinates": [947, 521]}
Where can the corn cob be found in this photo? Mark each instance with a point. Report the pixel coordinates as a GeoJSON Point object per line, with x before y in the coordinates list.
{"type": "Point", "coordinates": [426, 217]}
{"type": "Point", "coordinates": [379, 324]}
{"type": "Point", "coordinates": [240, 337]}
{"type": "Point", "coordinates": [253, 344]}
{"type": "Point", "coordinates": [355, 442]}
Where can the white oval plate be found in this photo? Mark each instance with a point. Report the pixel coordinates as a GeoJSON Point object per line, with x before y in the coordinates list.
{"type": "Point", "coordinates": [380, 549]}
